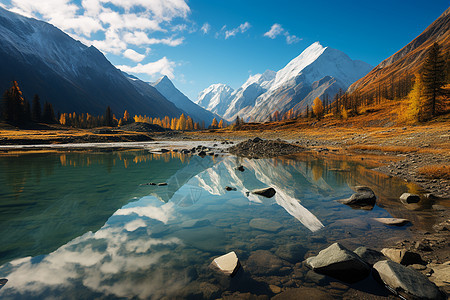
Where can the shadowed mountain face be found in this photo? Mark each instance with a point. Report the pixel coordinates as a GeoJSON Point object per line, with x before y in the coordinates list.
{"type": "Point", "coordinates": [196, 112]}
{"type": "Point", "coordinates": [409, 59]}
{"type": "Point", "coordinates": [68, 74]}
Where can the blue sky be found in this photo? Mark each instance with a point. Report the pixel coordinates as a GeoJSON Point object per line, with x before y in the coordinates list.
{"type": "Point", "coordinates": [201, 42]}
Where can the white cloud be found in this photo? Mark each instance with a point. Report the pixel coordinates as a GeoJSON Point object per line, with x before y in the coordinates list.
{"type": "Point", "coordinates": [161, 67]}
{"type": "Point", "coordinates": [133, 55]}
{"type": "Point", "coordinates": [274, 31]}
{"type": "Point", "coordinates": [277, 30]}
{"type": "Point", "coordinates": [292, 39]}
{"type": "Point", "coordinates": [205, 28]}
{"type": "Point", "coordinates": [240, 29]}
{"type": "Point", "coordinates": [139, 38]}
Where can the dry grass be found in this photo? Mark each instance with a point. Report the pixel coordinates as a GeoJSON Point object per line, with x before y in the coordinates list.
{"type": "Point", "coordinates": [399, 149]}
{"type": "Point", "coordinates": [436, 171]}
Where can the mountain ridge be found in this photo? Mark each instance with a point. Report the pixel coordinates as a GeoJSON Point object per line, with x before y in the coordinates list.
{"type": "Point", "coordinates": [72, 76]}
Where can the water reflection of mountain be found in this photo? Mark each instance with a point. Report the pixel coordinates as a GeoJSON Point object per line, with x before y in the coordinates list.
{"type": "Point", "coordinates": [49, 199]}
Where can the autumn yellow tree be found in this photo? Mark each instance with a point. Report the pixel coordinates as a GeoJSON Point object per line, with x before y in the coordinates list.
{"type": "Point", "coordinates": [214, 123]}
{"type": "Point", "coordinates": [126, 117]}
{"type": "Point", "coordinates": [181, 123]}
{"type": "Point", "coordinates": [413, 113]}
{"type": "Point", "coordinates": [318, 108]}
{"type": "Point", "coordinates": [189, 123]}
{"type": "Point", "coordinates": [221, 124]}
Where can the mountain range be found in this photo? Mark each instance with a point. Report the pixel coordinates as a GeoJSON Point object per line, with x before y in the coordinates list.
{"type": "Point", "coordinates": [77, 78]}
{"type": "Point", "coordinates": [317, 71]}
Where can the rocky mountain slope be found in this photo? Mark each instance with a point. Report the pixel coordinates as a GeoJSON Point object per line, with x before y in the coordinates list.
{"type": "Point", "coordinates": [409, 59]}
{"type": "Point", "coordinates": [71, 76]}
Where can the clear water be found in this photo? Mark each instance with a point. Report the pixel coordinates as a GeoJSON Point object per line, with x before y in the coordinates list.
{"type": "Point", "coordinates": [86, 225]}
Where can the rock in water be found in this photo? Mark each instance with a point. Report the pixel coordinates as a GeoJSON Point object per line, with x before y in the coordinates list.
{"type": "Point", "coordinates": [392, 221]}
{"type": "Point", "coordinates": [409, 198]}
{"type": "Point", "coordinates": [194, 223]}
{"type": "Point", "coordinates": [3, 281]}
{"type": "Point", "coordinates": [229, 188]}
{"type": "Point", "coordinates": [228, 264]}
{"type": "Point", "coordinates": [402, 256]}
{"type": "Point", "coordinates": [370, 256]}
{"type": "Point", "coordinates": [339, 262]}
{"type": "Point", "coordinates": [405, 281]}
{"type": "Point", "coordinates": [240, 168]}
{"type": "Point", "coordinates": [162, 184]}
{"type": "Point", "coordinates": [364, 197]}
{"type": "Point", "coordinates": [265, 224]}
{"type": "Point", "coordinates": [266, 192]}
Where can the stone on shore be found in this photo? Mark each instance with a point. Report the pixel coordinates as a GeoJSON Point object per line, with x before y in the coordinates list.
{"type": "Point", "coordinates": [265, 192]}
{"type": "Point", "coordinates": [363, 197]}
{"type": "Point", "coordinates": [228, 264]}
{"type": "Point", "coordinates": [265, 224]}
{"type": "Point", "coordinates": [370, 256]}
{"type": "Point", "coordinates": [339, 262]}
{"type": "Point", "coordinates": [407, 282]}
{"type": "Point", "coordinates": [392, 221]}
{"type": "Point", "coordinates": [409, 198]}
{"type": "Point", "coordinates": [402, 256]}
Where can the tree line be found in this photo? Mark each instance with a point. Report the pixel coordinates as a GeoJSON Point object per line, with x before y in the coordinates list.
{"type": "Point", "coordinates": [16, 110]}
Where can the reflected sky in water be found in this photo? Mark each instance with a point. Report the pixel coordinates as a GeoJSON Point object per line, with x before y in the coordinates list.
{"type": "Point", "coordinates": [94, 229]}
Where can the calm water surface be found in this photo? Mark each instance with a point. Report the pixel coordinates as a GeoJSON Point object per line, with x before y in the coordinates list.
{"type": "Point", "coordinates": [85, 225]}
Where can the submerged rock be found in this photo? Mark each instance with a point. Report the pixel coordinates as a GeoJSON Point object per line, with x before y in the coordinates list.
{"type": "Point", "coordinates": [304, 293]}
{"type": "Point", "coordinates": [370, 256]}
{"type": "Point", "coordinates": [228, 264]}
{"type": "Point", "coordinates": [265, 224]}
{"type": "Point", "coordinates": [339, 262]}
{"type": "Point", "coordinates": [263, 262]}
{"type": "Point", "coordinates": [363, 198]}
{"type": "Point", "coordinates": [406, 282]}
{"type": "Point", "coordinates": [392, 221]}
{"type": "Point", "coordinates": [409, 198]}
{"type": "Point", "coordinates": [293, 253]}
{"type": "Point", "coordinates": [402, 256]}
{"type": "Point", "coordinates": [266, 192]}
{"type": "Point", "coordinates": [195, 223]}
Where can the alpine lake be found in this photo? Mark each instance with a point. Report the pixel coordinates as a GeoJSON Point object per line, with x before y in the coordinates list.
{"type": "Point", "coordinates": [89, 225]}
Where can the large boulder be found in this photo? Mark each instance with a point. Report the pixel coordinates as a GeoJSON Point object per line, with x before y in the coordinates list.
{"type": "Point", "coordinates": [363, 197]}
{"type": "Point", "coordinates": [402, 256]}
{"type": "Point", "coordinates": [228, 264]}
{"type": "Point", "coordinates": [409, 198]}
{"type": "Point", "coordinates": [339, 262]}
{"type": "Point", "coordinates": [406, 282]}
{"type": "Point", "coordinates": [266, 192]}
{"type": "Point", "coordinates": [370, 256]}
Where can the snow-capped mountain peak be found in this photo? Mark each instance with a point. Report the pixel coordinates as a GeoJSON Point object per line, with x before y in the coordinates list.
{"type": "Point", "coordinates": [215, 98]}
{"type": "Point", "coordinates": [295, 66]}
